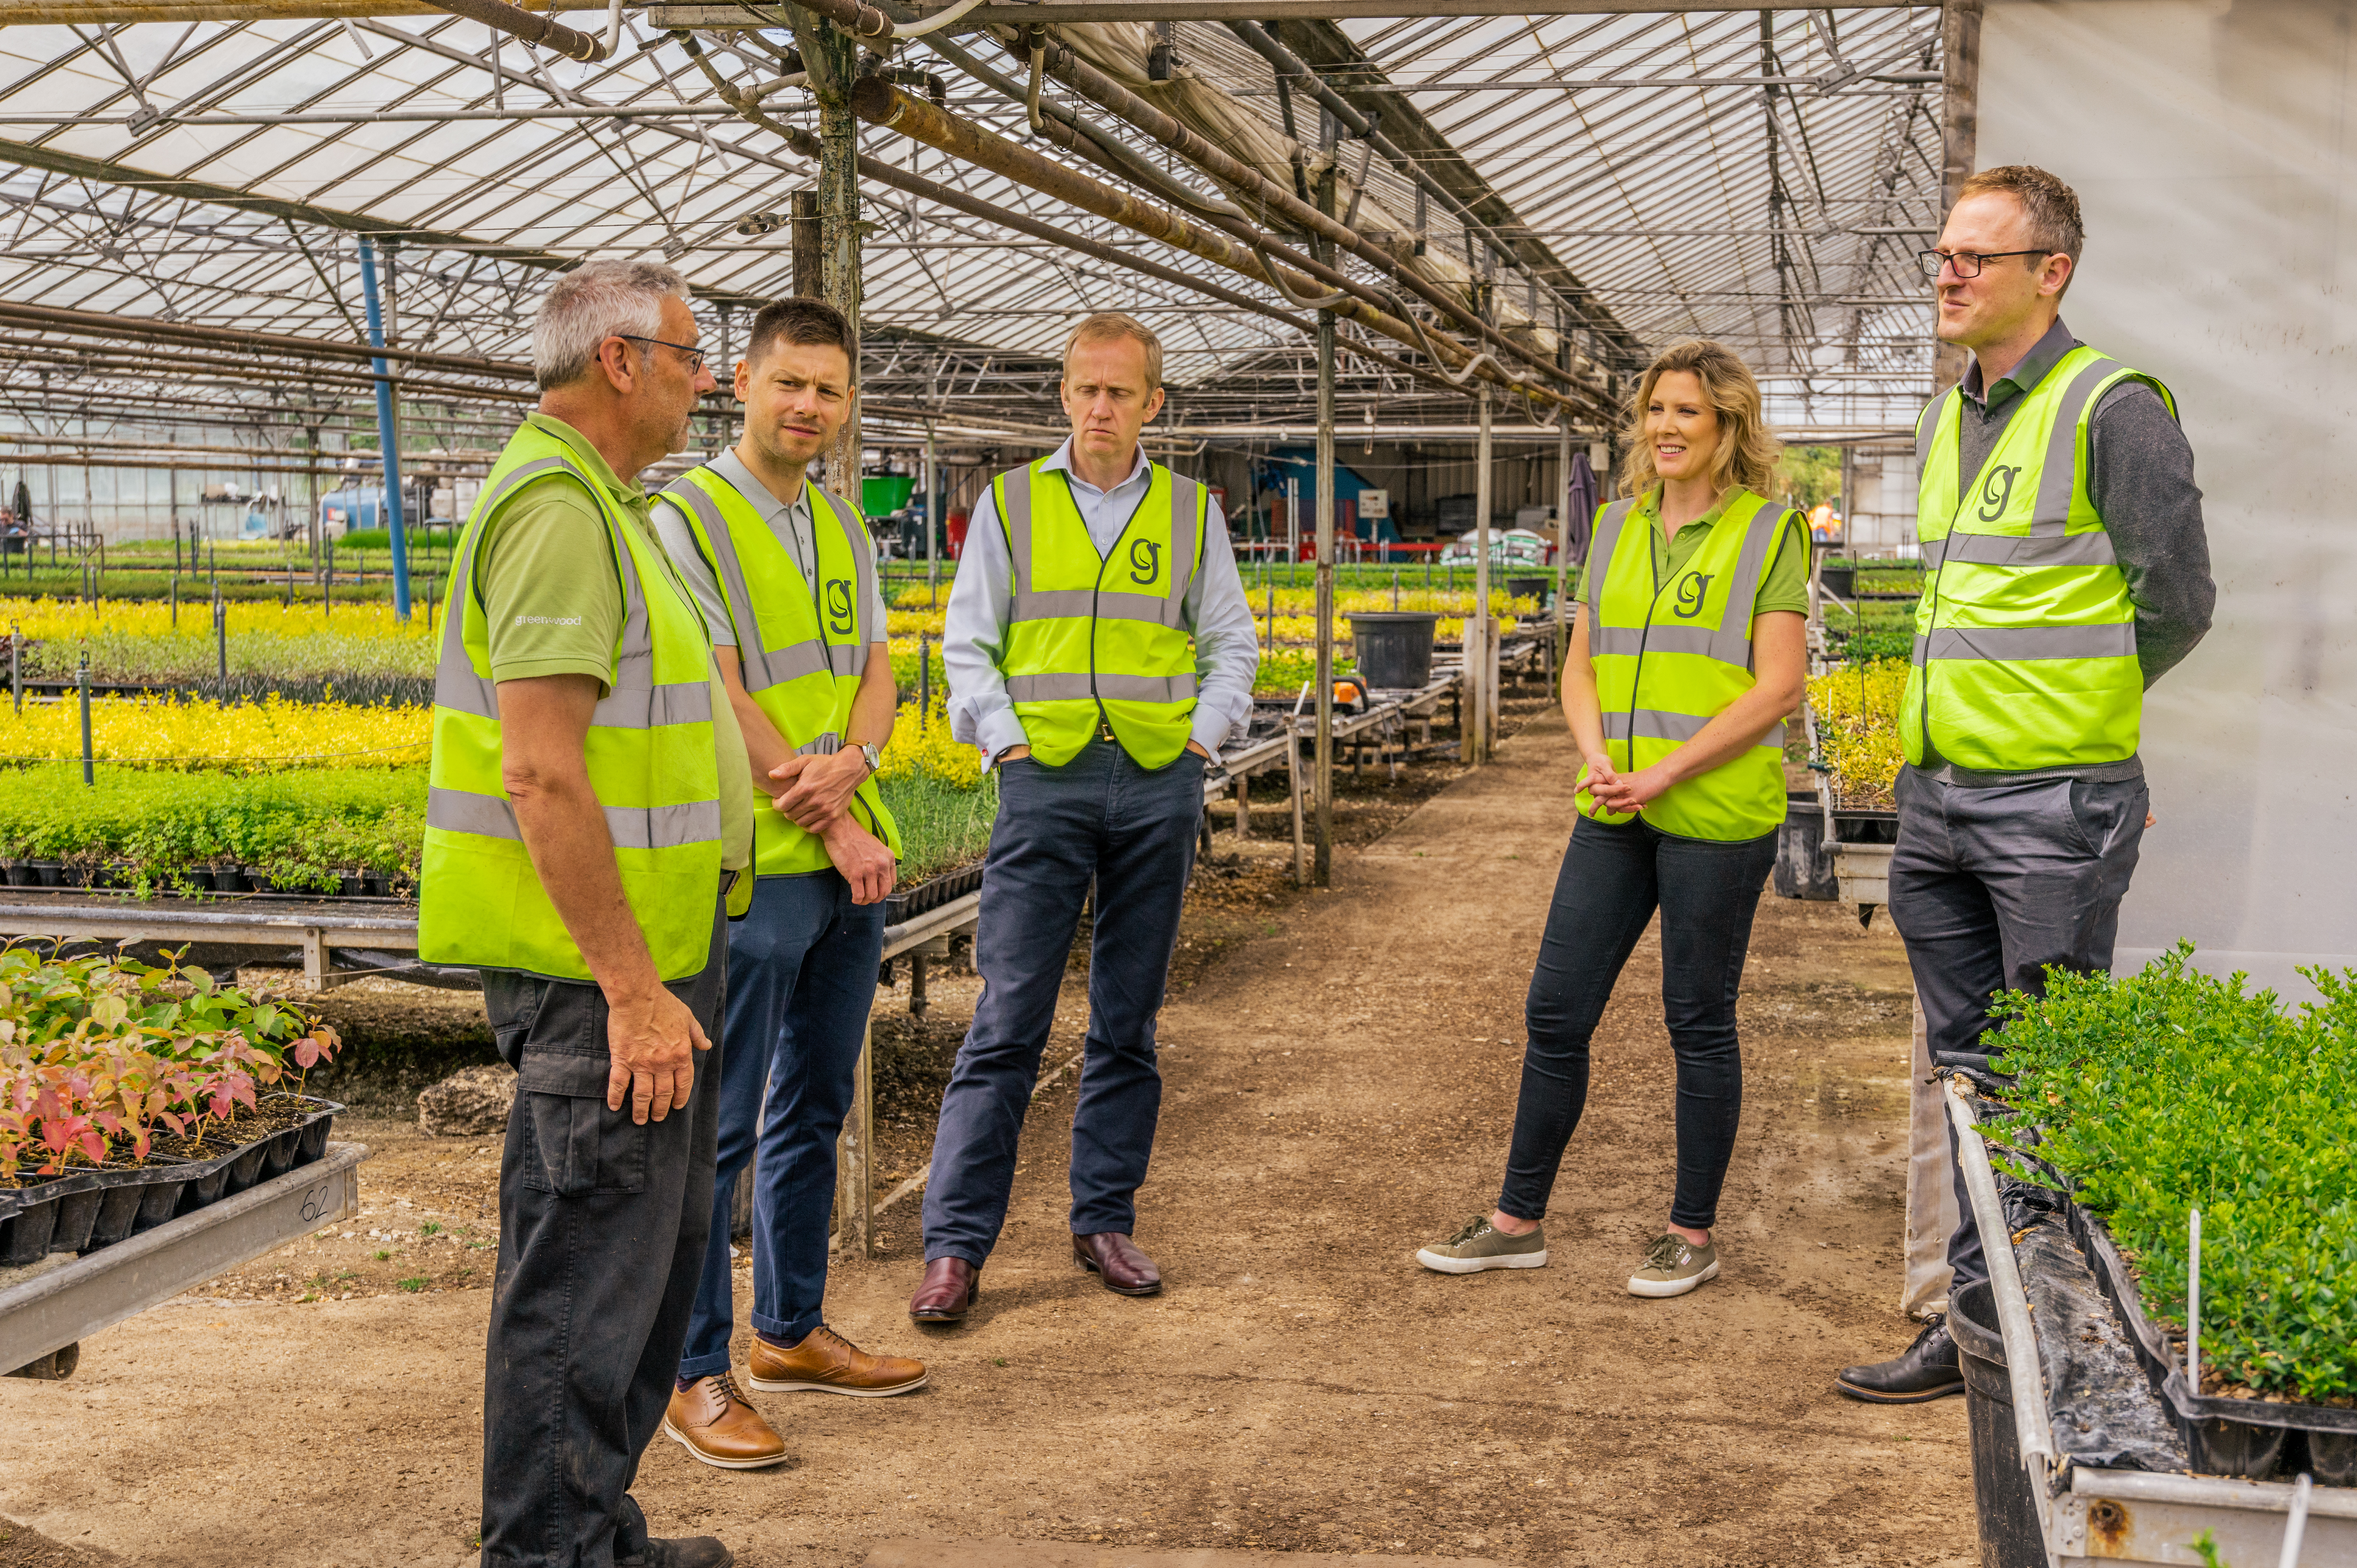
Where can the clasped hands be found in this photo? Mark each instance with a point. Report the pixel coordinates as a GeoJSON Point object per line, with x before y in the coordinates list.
{"type": "Point", "coordinates": [1623, 793]}
{"type": "Point", "coordinates": [817, 797]}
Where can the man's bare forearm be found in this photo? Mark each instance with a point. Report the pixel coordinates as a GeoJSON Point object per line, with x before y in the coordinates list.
{"type": "Point", "coordinates": [563, 828]}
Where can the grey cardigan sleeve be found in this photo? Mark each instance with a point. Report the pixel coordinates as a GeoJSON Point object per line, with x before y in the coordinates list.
{"type": "Point", "coordinates": [2141, 479]}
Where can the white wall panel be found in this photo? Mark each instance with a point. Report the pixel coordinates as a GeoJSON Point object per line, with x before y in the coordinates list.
{"type": "Point", "coordinates": [2209, 144]}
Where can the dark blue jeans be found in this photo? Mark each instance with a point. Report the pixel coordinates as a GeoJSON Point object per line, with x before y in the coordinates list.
{"type": "Point", "coordinates": [1613, 878]}
{"type": "Point", "coordinates": [1100, 815]}
{"type": "Point", "coordinates": [801, 975]}
{"type": "Point", "coordinates": [602, 1228]}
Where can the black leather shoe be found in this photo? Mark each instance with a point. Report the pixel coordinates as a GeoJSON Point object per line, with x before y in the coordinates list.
{"type": "Point", "coordinates": [684, 1551]}
{"type": "Point", "coordinates": [1928, 1371]}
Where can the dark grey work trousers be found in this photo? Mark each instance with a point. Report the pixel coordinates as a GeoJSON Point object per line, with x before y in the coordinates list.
{"type": "Point", "coordinates": [602, 1226]}
{"type": "Point", "coordinates": [1991, 884]}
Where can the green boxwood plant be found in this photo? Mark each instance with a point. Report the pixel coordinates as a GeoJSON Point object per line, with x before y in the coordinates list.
{"type": "Point", "coordinates": [2168, 1089]}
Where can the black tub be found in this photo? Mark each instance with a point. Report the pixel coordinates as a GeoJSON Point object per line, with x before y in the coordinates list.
{"type": "Point", "coordinates": [2001, 1496]}
{"type": "Point", "coordinates": [1393, 648]}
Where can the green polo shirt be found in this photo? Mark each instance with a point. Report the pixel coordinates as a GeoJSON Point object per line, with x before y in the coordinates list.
{"type": "Point", "coordinates": [1785, 585]}
{"type": "Point", "coordinates": [555, 607]}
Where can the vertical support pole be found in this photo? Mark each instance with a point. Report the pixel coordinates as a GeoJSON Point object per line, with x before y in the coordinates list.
{"type": "Point", "coordinates": [1243, 807]}
{"type": "Point", "coordinates": [918, 1000]}
{"type": "Point", "coordinates": [1293, 784]}
{"type": "Point", "coordinates": [1477, 625]}
{"type": "Point", "coordinates": [934, 511]}
{"type": "Point", "coordinates": [855, 1199]}
{"type": "Point", "coordinates": [833, 59]}
{"type": "Point", "coordinates": [17, 665]}
{"type": "Point", "coordinates": [1960, 119]}
{"type": "Point", "coordinates": [1562, 533]}
{"type": "Point", "coordinates": [809, 254]}
{"type": "Point", "coordinates": [388, 433]}
{"type": "Point", "coordinates": [1323, 871]}
{"type": "Point", "coordinates": [82, 684]}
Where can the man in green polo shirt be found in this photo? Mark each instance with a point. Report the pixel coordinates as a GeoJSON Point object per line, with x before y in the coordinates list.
{"type": "Point", "coordinates": [591, 804]}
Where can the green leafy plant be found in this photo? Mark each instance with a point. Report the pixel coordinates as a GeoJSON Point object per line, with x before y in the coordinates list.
{"type": "Point", "coordinates": [2168, 1089]}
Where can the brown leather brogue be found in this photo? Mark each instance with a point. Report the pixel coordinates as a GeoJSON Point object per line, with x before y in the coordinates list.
{"type": "Point", "coordinates": [711, 1420]}
{"type": "Point", "coordinates": [825, 1362]}
{"type": "Point", "coordinates": [1117, 1260]}
{"type": "Point", "coordinates": [947, 1292]}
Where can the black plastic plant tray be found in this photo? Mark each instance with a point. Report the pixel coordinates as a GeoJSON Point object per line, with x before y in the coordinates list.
{"type": "Point", "coordinates": [932, 893]}
{"type": "Point", "coordinates": [2251, 1438]}
{"type": "Point", "coordinates": [28, 1216]}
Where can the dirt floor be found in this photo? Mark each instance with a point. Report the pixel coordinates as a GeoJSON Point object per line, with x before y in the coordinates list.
{"type": "Point", "coordinates": [1341, 1068]}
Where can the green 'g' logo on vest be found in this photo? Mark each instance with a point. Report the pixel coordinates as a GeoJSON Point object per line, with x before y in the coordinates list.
{"type": "Point", "coordinates": [1145, 561]}
{"type": "Point", "coordinates": [1693, 589]}
{"type": "Point", "coordinates": [1996, 491]}
{"type": "Point", "coordinates": [838, 606]}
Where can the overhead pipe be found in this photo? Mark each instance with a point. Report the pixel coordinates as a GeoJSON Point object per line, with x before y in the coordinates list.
{"type": "Point", "coordinates": [517, 22]}
{"type": "Point", "coordinates": [1086, 78]}
{"type": "Point", "coordinates": [879, 104]}
{"type": "Point", "coordinates": [866, 23]}
{"type": "Point", "coordinates": [1258, 37]}
{"type": "Point", "coordinates": [92, 323]}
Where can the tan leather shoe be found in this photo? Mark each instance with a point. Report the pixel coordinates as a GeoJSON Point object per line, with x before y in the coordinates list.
{"type": "Point", "coordinates": [711, 1420]}
{"type": "Point", "coordinates": [827, 1363]}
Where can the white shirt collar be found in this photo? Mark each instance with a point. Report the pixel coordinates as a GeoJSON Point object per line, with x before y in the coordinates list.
{"type": "Point", "coordinates": [1063, 459]}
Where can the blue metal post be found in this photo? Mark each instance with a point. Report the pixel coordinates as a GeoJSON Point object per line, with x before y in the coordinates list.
{"type": "Point", "coordinates": [387, 442]}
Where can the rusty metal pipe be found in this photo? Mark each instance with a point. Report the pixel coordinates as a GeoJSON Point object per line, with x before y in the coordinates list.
{"type": "Point", "coordinates": [880, 103]}
{"type": "Point", "coordinates": [517, 22]}
{"type": "Point", "coordinates": [95, 324]}
{"type": "Point", "coordinates": [1086, 78]}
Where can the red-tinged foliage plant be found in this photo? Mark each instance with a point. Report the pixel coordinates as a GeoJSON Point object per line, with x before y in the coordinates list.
{"type": "Point", "coordinates": [97, 1053]}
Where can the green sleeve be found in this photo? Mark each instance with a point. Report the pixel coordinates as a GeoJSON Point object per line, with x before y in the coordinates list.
{"type": "Point", "coordinates": [549, 586]}
{"type": "Point", "coordinates": [1785, 585]}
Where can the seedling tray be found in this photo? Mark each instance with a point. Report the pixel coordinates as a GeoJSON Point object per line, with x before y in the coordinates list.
{"type": "Point", "coordinates": [932, 893]}
{"type": "Point", "coordinates": [85, 1210]}
{"type": "Point", "coordinates": [2251, 1438]}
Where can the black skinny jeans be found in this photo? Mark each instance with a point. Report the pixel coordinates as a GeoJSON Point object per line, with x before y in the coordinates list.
{"type": "Point", "coordinates": [1613, 877]}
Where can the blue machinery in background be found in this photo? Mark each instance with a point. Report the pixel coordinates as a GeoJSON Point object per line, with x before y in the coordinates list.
{"type": "Point", "coordinates": [388, 445]}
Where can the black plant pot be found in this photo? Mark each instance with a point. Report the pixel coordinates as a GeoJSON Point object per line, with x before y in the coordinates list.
{"type": "Point", "coordinates": [48, 873]}
{"type": "Point", "coordinates": [24, 873]}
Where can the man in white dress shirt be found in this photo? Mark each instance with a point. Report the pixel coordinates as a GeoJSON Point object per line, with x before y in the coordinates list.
{"type": "Point", "coordinates": [1100, 650]}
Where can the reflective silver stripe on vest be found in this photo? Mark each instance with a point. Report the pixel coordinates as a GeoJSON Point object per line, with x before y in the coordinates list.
{"type": "Point", "coordinates": [2060, 477]}
{"type": "Point", "coordinates": [1601, 551]}
{"type": "Point", "coordinates": [455, 685]}
{"type": "Point", "coordinates": [1167, 609]}
{"type": "Point", "coordinates": [676, 703]}
{"type": "Point", "coordinates": [631, 827]}
{"type": "Point", "coordinates": [1927, 428]}
{"type": "Point", "coordinates": [2011, 644]}
{"type": "Point", "coordinates": [1729, 644]}
{"type": "Point", "coordinates": [1660, 723]}
{"type": "Point", "coordinates": [2089, 549]}
{"type": "Point", "coordinates": [464, 811]}
{"type": "Point", "coordinates": [763, 667]}
{"type": "Point", "coordinates": [826, 743]}
{"type": "Point", "coordinates": [1080, 687]}
{"type": "Point", "coordinates": [633, 703]}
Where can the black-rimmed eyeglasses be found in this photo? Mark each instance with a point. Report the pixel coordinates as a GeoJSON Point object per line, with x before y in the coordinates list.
{"type": "Point", "coordinates": [695, 355]}
{"type": "Point", "coordinates": [1968, 263]}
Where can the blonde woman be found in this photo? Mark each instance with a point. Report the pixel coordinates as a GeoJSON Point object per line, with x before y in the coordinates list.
{"type": "Point", "coordinates": [1689, 652]}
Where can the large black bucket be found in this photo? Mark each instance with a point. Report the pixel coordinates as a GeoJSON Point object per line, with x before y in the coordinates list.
{"type": "Point", "coordinates": [2008, 1513]}
{"type": "Point", "coordinates": [1393, 648]}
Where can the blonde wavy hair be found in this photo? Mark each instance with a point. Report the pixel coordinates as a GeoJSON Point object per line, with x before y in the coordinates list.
{"type": "Point", "coordinates": [1747, 454]}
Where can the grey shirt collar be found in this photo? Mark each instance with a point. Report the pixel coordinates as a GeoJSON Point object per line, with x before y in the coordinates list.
{"type": "Point", "coordinates": [731, 467]}
{"type": "Point", "coordinates": [2043, 357]}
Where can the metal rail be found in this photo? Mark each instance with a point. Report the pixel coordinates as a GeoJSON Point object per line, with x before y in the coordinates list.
{"type": "Point", "coordinates": [64, 1304]}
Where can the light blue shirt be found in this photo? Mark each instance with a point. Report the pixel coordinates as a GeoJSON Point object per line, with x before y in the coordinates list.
{"type": "Point", "coordinates": [974, 629]}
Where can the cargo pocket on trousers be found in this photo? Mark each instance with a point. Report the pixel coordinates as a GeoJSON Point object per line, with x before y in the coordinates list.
{"type": "Point", "coordinates": [576, 1145]}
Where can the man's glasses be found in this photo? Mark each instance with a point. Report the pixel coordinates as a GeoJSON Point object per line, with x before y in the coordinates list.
{"type": "Point", "coordinates": [1968, 263]}
{"type": "Point", "coordinates": [695, 355]}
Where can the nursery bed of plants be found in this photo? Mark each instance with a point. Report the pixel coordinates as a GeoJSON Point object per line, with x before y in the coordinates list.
{"type": "Point", "coordinates": [2146, 1097]}
{"type": "Point", "coordinates": [131, 1093]}
{"type": "Point", "coordinates": [1856, 711]}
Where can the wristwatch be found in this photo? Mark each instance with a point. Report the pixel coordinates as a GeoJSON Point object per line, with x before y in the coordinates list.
{"type": "Point", "coordinates": [874, 757]}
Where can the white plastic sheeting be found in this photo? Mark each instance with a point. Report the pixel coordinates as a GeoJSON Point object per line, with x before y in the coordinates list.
{"type": "Point", "coordinates": [2210, 142]}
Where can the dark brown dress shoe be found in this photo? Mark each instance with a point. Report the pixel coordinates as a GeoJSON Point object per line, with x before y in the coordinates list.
{"type": "Point", "coordinates": [1116, 1259]}
{"type": "Point", "coordinates": [948, 1292]}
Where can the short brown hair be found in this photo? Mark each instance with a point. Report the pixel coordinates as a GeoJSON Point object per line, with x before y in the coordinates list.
{"type": "Point", "coordinates": [2050, 208]}
{"type": "Point", "coordinates": [1112, 326]}
{"type": "Point", "coordinates": [802, 321]}
{"type": "Point", "coordinates": [1747, 454]}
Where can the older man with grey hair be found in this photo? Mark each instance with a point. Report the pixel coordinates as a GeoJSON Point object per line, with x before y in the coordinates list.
{"type": "Point", "coordinates": [590, 809]}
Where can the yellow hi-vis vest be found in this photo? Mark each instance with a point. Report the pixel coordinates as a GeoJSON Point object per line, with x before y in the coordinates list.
{"type": "Point", "coordinates": [1101, 639]}
{"type": "Point", "coordinates": [2025, 637]}
{"type": "Point", "coordinates": [1671, 656]}
{"type": "Point", "coordinates": [649, 752]}
{"type": "Point", "coordinates": [802, 649]}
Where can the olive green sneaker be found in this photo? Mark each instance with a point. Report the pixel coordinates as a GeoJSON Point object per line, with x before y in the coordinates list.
{"type": "Point", "coordinates": [1480, 1245]}
{"type": "Point", "coordinates": [1673, 1266]}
